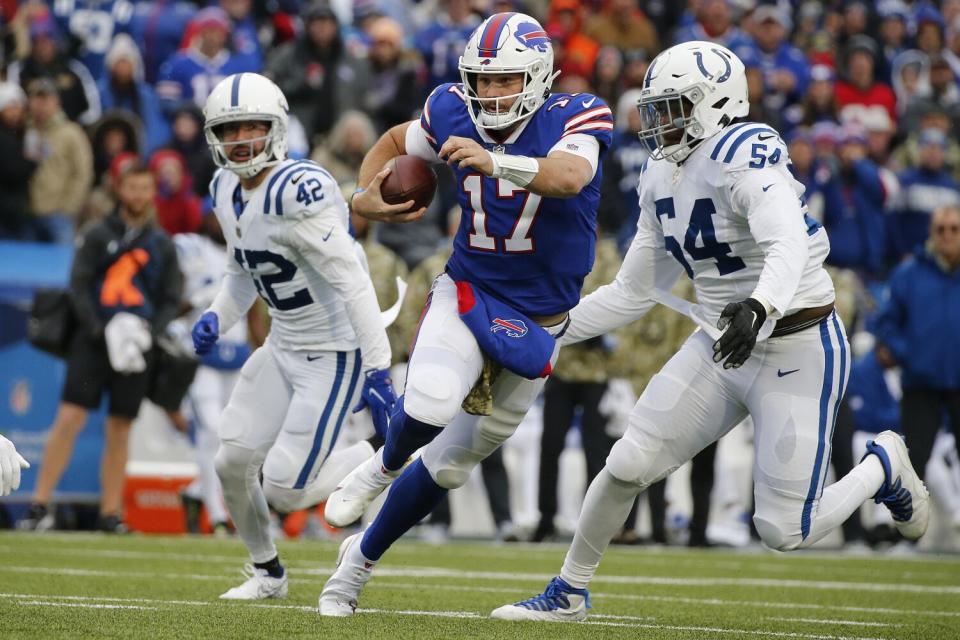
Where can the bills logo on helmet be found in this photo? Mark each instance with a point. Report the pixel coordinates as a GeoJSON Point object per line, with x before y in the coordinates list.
{"type": "Point", "coordinates": [512, 328]}
{"type": "Point", "coordinates": [532, 36]}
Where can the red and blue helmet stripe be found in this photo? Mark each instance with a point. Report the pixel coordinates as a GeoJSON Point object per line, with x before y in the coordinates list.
{"type": "Point", "coordinates": [491, 34]}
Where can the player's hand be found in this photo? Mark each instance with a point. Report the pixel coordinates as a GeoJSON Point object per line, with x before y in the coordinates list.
{"type": "Point", "coordinates": [377, 393]}
{"type": "Point", "coordinates": [369, 203]}
{"type": "Point", "coordinates": [11, 463]}
{"type": "Point", "coordinates": [205, 333]}
{"type": "Point", "coordinates": [464, 152]}
{"type": "Point", "coordinates": [740, 323]}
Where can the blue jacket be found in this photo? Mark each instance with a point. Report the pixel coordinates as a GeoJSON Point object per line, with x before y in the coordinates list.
{"type": "Point", "coordinates": [922, 191]}
{"type": "Point", "coordinates": [155, 127]}
{"type": "Point", "coordinates": [874, 407]}
{"type": "Point", "coordinates": [854, 218]}
{"type": "Point", "coordinates": [920, 323]}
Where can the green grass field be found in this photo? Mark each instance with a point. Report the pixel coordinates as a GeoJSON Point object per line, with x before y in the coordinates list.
{"type": "Point", "coordinates": [93, 586]}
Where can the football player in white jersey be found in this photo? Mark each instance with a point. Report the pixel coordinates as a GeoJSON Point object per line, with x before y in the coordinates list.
{"type": "Point", "coordinates": [288, 241]}
{"type": "Point", "coordinates": [719, 203]}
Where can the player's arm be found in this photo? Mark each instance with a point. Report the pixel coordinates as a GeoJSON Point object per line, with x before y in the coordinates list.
{"type": "Point", "coordinates": [562, 174]}
{"type": "Point", "coordinates": [367, 200]}
{"type": "Point", "coordinates": [776, 222]}
{"type": "Point", "coordinates": [236, 295]}
{"type": "Point", "coordinates": [645, 268]}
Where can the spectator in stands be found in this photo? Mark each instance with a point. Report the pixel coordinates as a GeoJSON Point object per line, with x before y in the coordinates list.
{"type": "Point", "coordinates": [123, 87]}
{"type": "Point", "coordinates": [124, 268]}
{"type": "Point", "coordinates": [858, 84]}
{"type": "Point", "coordinates": [881, 131]}
{"type": "Point", "coordinates": [76, 87]}
{"type": "Point", "coordinates": [320, 78]}
{"type": "Point", "coordinates": [343, 151]}
{"type": "Point", "coordinates": [575, 53]}
{"type": "Point", "coordinates": [943, 86]}
{"type": "Point", "coordinates": [189, 141]}
{"type": "Point", "coordinates": [103, 197]}
{"type": "Point", "coordinates": [894, 20]}
{"type": "Point", "coordinates": [190, 74]}
{"type": "Point", "coordinates": [15, 167]}
{"type": "Point", "coordinates": [116, 132]}
{"type": "Point", "coordinates": [621, 23]}
{"type": "Point", "coordinates": [918, 324]}
{"type": "Point", "coordinates": [442, 41]}
{"type": "Point", "coordinates": [178, 208]}
{"type": "Point", "coordinates": [64, 176]}
{"type": "Point", "coordinates": [819, 103]}
{"type": "Point", "coordinates": [854, 200]}
{"type": "Point", "coordinates": [88, 27]}
{"type": "Point", "coordinates": [158, 28]}
{"type": "Point", "coordinates": [929, 26]}
{"type": "Point", "coordinates": [804, 166]}
{"type": "Point", "coordinates": [952, 51]}
{"type": "Point", "coordinates": [786, 73]}
{"type": "Point", "coordinates": [394, 76]}
{"type": "Point", "coordinates": [714, 22]}
{"type": "Point", "coordinates": [924, 189]}
{"type": "Point", "coordinates": [607, 77]}
{"type": "Point", "coordinates": [931, 116]}
{"type": "Point", "coordinates": [244, 42]}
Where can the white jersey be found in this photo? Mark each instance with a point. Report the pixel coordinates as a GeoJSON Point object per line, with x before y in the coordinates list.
{"type": "Point", "coordinates": [288, 241]}
{"type": "Point", "coordinates": [732, 217]}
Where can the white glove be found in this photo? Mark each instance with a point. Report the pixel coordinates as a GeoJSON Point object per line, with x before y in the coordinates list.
{"type": "Point", "coordinates": [128, 338]}
{"type": "Point", "coordinates": [616, 404]}
{"type": "Point", "coordinates": [10, 464]}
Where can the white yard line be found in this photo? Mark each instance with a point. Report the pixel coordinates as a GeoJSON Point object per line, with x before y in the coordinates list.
{"type": "Point", "coordinates": [607, 621]}
{"type": "Point", "coordinates": [858, 623]}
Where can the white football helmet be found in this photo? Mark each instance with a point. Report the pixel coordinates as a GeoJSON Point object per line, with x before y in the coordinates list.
{"type": "Point", "coordinates": [245, 97]}
{"type": "Point", "coordinates": [508, 43]}
{"type": "Point", "coordinates": [690, 92]}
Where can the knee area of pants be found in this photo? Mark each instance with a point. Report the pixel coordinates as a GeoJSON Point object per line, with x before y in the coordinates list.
{"type": "Point", "coordinates": [433, 395]}
{"type": "Point", "coordinates": [232, 462]}
{"type": "Point", "coordinates": [450, 476]}
{"type": "Point", "coordinates": [628, 462]}
{"type": "Point", "coordinates": [282, 499]}
{"type": "Point", "coordinates": [774, 537]}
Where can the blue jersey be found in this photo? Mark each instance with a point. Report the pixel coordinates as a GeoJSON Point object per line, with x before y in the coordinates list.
{"type": "Point", "coordinates": [530, 251]}
{"type": "Point", "coordinates": [189, 76]}
{"type": "Point", "coordinates": [92, 23]}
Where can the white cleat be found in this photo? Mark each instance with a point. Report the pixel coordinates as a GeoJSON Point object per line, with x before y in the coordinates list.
{"type": "Point", "coordinates": [558, 603]}
{"type": "Point", "coordinates": [903, 492]}
{"type": "Point", "coordinates": [259, 586]}
{"type": "Point", "coordinates": [361, 487]}
{"type": "Point", "coordinates": [342, 589]}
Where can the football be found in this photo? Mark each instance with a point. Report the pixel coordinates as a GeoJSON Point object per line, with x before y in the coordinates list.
{"type": "Point", "coordinates": [411, 178]}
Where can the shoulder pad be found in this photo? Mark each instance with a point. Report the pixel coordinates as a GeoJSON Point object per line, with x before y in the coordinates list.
{"type": "Point", "coordinates": [580, 112]}
{"type": "Point", "coordinates": [214, 184]}
{"type": "Point", "coordinates": [298, 187]}
{"type": "Point", "coordinates": [441, 99]}
{"type": "Point", "coordinates": [750, 145]}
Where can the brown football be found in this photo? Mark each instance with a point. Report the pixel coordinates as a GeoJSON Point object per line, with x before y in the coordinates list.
{"type": "Point", "coordinates": [411, 178]}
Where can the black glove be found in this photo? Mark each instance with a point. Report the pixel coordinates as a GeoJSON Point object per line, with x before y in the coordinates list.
{"type": "Point", "coordinates": [740, 323]}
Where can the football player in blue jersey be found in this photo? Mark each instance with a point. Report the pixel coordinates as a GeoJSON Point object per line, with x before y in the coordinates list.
{"type": "Point", "coordinates": [286, 228]}
{"type": "Point", "coordinates": [526, 162]}
{"type": "Point", "coordinates": [718, 203]}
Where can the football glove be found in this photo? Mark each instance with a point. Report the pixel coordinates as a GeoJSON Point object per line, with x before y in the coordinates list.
{"type": "Point", "coordinates": [11, 463]}
{"type": "Point", "coordinates": [740, 323]}
{"type": "Point", "coordinates": [205, 333]}
{"type": "Point", "coordinates": [377, 393]}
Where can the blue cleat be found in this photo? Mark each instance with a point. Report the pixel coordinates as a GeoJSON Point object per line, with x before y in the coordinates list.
{"type": "Point", "coordinates": [558, 603]}
{"type": "Point", "coordinates": [903, 493]}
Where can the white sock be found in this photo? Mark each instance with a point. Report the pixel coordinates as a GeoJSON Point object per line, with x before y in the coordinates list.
{"type": "Point", "coordinates": [841, 499]}
{"type": "Point", "coordinates": [605, 509]}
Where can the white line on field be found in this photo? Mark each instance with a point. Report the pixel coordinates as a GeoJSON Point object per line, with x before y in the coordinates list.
{"type": "Point", "coordinates": [677, 599]}
{"type": "Point", "coordinates": [437, 572]}
{"type": "Point", "coordinates": [823, 621]}
{"type": "Point", "coordinates": [43, 603]}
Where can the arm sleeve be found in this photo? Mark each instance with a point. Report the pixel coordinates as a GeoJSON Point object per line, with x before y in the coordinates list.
{"type": "Point", "coordinates": [582, 145]}
{"type": "Point", "coordinates": [776, 224]}
{"type": "Point", "coordinates": [82, 274]}
{"type": "Point", "coordinates": [418, 144]}
{"type": "Point", "coordinates": [327, 245]}
{"type": "Point", "coordinates": [646, 267]}
{"type": "Point", "coordinates": [236, 295]}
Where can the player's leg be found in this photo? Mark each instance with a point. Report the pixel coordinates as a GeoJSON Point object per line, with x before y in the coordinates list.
{"type": "Point", "coordinates": [793, 400]}
{"type": "Point", "coordinates": [302, 468]}
{"type": "Point", "coordinates": [445, 362]}
{"type": "Point", "coordinates": [248, 428]}
{"type": "Point", "coordinates": [684, 408]}
{"type": "Point", "coordinates": [446, 463]}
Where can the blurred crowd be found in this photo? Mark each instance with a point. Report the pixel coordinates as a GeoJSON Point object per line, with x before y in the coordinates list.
{"type": "Point", "coordinates": [866, 95]}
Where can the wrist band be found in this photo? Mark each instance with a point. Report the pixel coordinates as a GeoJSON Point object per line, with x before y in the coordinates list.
{"type": "Point", "coordinates": [520, 170]}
